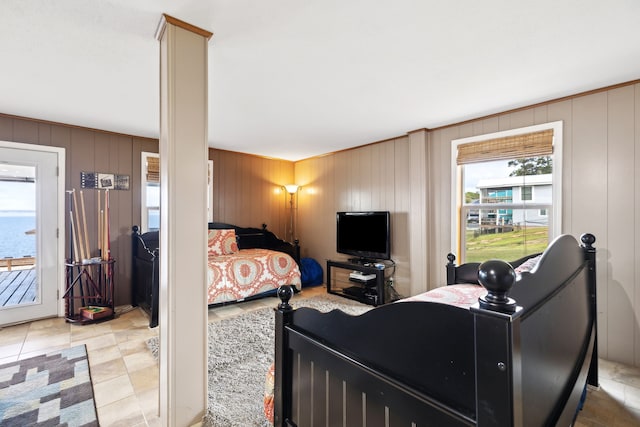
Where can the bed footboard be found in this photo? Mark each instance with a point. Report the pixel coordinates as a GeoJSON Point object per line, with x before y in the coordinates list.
{"type": "Point", "coordinates": [496, 364]}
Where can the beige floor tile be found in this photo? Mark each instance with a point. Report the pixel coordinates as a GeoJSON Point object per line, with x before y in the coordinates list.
{"type": "Point", "coordinates": [108, 370]}
{"type": "Point", "coordinates": [632, 397]}
{"type": "Point", "coordinates": [10, 350]}
{"type": "Point", "coordinates": [112, 390]}
{"type": "Point", "coordinates": [105, 354]}
{"type": "Point", "coordinates": [145, 379]}
{"type": "Point", "coordinates": [135, 346]}
{"type": "Point", "coordinates": [81, 332]}
{"type": "Point", "coordinates": [14, 334]}
{"type": "Point", "coordinates": [154, 422]}
{"type": "Point", "coordinates": [44, 343]}
{"type": "Point", "coordinates": [125, 412]}
{"type": "Point", "coordinates": [140, 360]}
{"type": "Point", "coordinates": [35, 346]}
{"type": "Point", "coordinates": [9, 359]}
{"type": "Point", "coordinates": [148, 401]}
{"type": "Point", "coordinates": [136, 334]}
{"type": "Point", "coordinates": [97, 342]}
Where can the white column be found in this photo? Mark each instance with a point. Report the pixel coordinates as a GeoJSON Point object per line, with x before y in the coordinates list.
{"type": "Point", "coordinates": [183, 222]}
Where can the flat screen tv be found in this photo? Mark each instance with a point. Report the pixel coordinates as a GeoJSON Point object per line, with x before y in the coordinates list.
{"type": "Point", "coordinates": [365, 235]}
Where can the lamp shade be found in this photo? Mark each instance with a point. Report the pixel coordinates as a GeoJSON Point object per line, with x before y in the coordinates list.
{"type": "Point", "coordinates": [291, 188]}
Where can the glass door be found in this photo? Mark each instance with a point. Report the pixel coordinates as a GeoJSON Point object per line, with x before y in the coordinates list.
{"type": "Point", "coordinates": [29, 249]}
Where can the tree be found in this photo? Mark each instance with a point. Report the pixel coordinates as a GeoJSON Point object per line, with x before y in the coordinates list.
{"type": "Point", "coordinates": [531, 166]}
{"type": "Point", "coordinates": [470, 196]}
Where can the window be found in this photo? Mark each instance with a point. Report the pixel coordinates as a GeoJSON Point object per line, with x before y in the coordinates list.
{"type": "Point", "coordinates": [150, 197]}
{"type": "Point", "coordinates": [508, 192]}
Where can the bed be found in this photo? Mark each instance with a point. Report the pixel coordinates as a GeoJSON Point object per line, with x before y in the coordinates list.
{"type": "Point", "coordinates": [521, 355]}
{"type": "Point", "coordinates": [243, 264]}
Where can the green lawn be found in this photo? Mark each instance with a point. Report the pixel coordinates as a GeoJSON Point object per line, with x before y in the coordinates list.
{"type": "Point", "coordinates": [507, 246]}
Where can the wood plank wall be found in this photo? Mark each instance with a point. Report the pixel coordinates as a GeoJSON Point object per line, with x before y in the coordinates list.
{"type": "Point", "coordinates": [246, 188]}
{"type": "Point", "coordinates": [380, 176]}
{"type": "Point", "coordinates": [601, 195]}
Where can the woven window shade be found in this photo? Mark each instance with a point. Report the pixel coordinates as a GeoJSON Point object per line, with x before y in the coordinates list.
{"type": "Point", "coordinates": [533, 144]}
{"type": "Point", "coordinates": [153, 169]}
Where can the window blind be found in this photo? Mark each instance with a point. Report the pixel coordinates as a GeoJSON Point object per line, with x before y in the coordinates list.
{"type": "Point", "coordinates": [533, 144]}
{"type": "Point", "coordinates": [153, 169]}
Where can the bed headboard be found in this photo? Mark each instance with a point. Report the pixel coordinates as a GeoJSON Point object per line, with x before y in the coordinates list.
{"type": "Point", "coordinates": [248, 238]}
{"type": "Point", "coordinates": [251, 237]}
{"type": "Point", "coordinates": [468, 272]}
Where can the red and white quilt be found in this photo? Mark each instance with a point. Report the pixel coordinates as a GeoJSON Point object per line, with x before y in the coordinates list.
{"type": "Point", "coordinates": [249, 272]}
{"type": "Point", "coordinates": [458, 295]}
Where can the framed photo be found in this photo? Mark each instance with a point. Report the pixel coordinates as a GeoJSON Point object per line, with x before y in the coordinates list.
{"type": "Point", "coordinates": [106, 180]}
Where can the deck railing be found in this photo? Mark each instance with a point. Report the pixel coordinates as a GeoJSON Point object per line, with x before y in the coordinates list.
{"type": "Point", "coordinates": [9, 262]}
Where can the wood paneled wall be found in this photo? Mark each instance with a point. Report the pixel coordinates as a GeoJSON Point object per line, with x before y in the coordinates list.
{"type": "Point", "coordinates": [386, 176]}
{"type": "Point", "coordinates": [246, 188]}
{"type": "Point", "coordinates": [90, 151]}
{"type": "Point", "coordinates": [601, 195]}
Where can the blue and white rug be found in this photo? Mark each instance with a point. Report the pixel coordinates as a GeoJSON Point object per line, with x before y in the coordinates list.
{"type": "Point", "coordinates": [52, 389]}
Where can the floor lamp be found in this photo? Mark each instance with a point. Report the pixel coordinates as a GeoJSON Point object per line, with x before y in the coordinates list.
{"type": "Point", "coordinates": [292, 189]}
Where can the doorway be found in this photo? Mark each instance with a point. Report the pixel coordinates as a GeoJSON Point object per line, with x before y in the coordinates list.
{"type": "Point", "coordinates": [31, 221]}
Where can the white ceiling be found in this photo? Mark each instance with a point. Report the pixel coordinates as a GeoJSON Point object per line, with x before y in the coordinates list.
{"type": "Point", "coordinates": [296, 78]}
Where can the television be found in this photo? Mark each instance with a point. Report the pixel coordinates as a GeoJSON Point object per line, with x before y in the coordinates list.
{"type": "Point", "coordinates": [365, 235]}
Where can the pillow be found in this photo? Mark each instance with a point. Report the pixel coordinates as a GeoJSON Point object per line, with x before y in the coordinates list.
{"type": "Point", "coordinates": [527, 265]}
{"type": "Point", "coordinates": [222, 242]}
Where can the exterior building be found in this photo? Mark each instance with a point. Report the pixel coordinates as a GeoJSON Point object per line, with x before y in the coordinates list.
{"type": "Point", "coordinates": [532, 191]}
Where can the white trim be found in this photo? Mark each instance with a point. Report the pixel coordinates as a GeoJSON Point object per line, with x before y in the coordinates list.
{"type": "Point", "coordinates": [144, 219]}
{"type": "Point", "coordinates": [60, 152]}
{"type": "Point", "coordinates": [555, 226]}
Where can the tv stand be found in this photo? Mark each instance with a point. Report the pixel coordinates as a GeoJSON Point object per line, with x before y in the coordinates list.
{"type": "Point", "coordinates": [354, 280]}
{"type": "Point", "coordinates": [362, 261]}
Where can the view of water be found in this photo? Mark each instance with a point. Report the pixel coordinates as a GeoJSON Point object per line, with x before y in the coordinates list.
{"type": "Point", "coordinates": [13, 240]}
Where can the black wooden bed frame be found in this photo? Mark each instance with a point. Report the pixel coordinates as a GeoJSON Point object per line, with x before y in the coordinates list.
{"type": "Point", "coordinates": [145, 266]}
{"type": "Point", "coordinates": [521, 356]}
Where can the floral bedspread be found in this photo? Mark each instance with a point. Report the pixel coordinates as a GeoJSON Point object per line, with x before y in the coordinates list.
{"type": "Point", "coordinates": [249, 272]}
{"type": "Point", "coordinates": [459, 295]}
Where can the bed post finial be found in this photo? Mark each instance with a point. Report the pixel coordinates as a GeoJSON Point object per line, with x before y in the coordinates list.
{"type": "Point", "coordinates": [588, 240]}
{"type": "Point", "coordinates": [285, 292]}
{"type": "Point", "coordinates": [451, 269]}
{"type": "Point", "coordinates": [497, 277]}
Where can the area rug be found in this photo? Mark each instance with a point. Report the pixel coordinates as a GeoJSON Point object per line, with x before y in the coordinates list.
{"type": "Point", "coordinates": [241, 349]}
{"type": "Point", "coordinates": [52, 389]}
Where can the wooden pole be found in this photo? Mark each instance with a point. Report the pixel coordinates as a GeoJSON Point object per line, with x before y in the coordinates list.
{"type": "Point", "coordinates": [74, 236]}
{"type": "Point", "coordinates": [107, 235]}
{"type": "Point", "coordinates": [87, 253]}
{"type": "Point", "coordinates": [103, 250]}
{"type": "Point", "coordinates": [99, 223]}
{"type": "Point", "coordinates": [77, 227]}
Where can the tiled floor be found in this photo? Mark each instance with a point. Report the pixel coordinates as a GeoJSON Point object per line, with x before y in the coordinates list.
{"type": "Point", "coordinates": [125, 376]}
